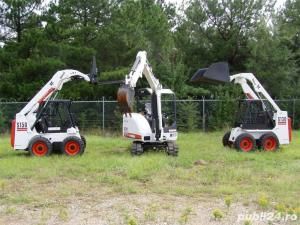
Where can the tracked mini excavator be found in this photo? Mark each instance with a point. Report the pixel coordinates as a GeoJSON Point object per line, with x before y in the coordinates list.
{"type": "Point", "coordinates": [45, 122]}
{"type": "Point", "coordinates": [150, 128]}
{"type": "Point", "coordinates": [260, 122]}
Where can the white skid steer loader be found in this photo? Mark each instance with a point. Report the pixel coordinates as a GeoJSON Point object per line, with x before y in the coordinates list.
{"type": "Point", "coordinates": [260, 123]}
{"type": "Point", "coordinates": [45, 122]}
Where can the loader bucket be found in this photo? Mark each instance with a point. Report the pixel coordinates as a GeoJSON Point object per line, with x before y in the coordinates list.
{"type": "Point", "coordinates": [217, 73]}
{"type": "Point", "coordinates": [125, 98]}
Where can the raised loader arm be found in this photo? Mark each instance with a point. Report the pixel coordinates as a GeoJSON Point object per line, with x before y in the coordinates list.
{"type": "Point", "coordinates": [219, 73]}
{"type": "Point", "coordinates": [50, 90]}
{"type": "Point", "coordinates": [54, 85]}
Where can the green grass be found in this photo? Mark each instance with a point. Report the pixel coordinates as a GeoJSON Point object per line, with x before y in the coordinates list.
{"type": "Point", "coordinates": [107, 168]}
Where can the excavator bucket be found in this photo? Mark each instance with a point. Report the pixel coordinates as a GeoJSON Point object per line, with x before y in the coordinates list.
{"type": "Point", "coordinates": [217, 73]}
{"type": "Point", "coordinates": [125, 98]}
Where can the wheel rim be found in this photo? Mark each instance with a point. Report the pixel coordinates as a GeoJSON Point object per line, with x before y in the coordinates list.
{"type": "Point", "coordinates": [72, 148]}
{"type": "Point", "coordinates": [246, 144]}
{"type": "Point", "coordinates": [40, 148]}
{"type": "Point", "coordinates": [270, 144]}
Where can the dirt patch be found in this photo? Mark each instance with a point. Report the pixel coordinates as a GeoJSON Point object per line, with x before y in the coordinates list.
{"type": "Point", "coordinates": [133, 209]}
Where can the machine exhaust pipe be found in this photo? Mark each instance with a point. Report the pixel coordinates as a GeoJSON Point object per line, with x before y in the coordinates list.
{"type": "Point", "coordinates": [217, 73]}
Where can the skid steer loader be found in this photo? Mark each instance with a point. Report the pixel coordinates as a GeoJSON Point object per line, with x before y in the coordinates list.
{"type": "Point", "coordinates": [260, 122]}
{"type": "Point", "coordinates": [46, 122]}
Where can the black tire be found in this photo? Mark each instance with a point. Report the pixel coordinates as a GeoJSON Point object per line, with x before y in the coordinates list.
{"type": "Point", "coordinates": [72, 146]}
{"type": "Point", "coordinates": [269, 142]}
{"type": "Point", "coordinates": [245, 142]}
{"type": "Point", "coordinates": [84, 140]}
{"type": "Point", "coordinates": [225, 139]}
{"type": "Point", "coordinates": [172, 148]}
{"type": "Point", "coordinates": [137, 148]}
{"type": "Point", "coordinates": [40, 146]}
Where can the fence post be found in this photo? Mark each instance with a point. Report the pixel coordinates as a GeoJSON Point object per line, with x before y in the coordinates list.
{"type": "Point", "coordinates": [103, 113]}
{"type": "Point", "coordinates": [203, 114]}
{"type": "Point", "coordinates": [294, 112]}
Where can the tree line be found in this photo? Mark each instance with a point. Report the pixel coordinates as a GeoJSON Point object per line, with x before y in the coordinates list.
{"type": "Point", "coordinates": [37, 39]}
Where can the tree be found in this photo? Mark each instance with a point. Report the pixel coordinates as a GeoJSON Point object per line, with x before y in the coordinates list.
{"type": "Point", "coordinates": [220, 30]}
{"type": "Point", "coordinates": [224, 31]}
{"type": "Point", "coordinates": [142, 25]}
{"type": "Point", "coordinates": [270, 60]}
{"type": "Point", "coordinates": [289, 32]}
{"type": "Point", "coordinates": [134, 26]}
{"type": "Point", "coordinates": [16, 16]}
{"type": "Point", "coordinates": [77, 21]}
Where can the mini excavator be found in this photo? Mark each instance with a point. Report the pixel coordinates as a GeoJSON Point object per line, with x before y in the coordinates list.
{"type": "Point", "coordinates": [150, 128]}
{"type": "Point", "coordinates": [260, 122]}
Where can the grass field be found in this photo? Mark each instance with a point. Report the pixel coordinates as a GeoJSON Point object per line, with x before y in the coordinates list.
{"type": "Point", "coordinates": [271, 181]}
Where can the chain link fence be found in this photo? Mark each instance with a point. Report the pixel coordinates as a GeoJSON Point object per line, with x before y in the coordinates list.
{"type": "Point", "coordinates": [105, 116]}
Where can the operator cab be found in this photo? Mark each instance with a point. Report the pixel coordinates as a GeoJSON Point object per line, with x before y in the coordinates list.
{"type": "Point", "coordinates": [54, 116]}
{"type": "Point", "coordinates": [254, 114]}
{"type": "Point", "coordinates": [147, 106]}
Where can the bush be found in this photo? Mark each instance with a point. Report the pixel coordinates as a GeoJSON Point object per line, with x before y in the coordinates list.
{"type": "Point", "coordinates": [217, 214]}
{"type": "Point", "coordinates": [263, 201]}
{"type": "Point", "coordinates": [188, 116]}
{"type": "Point", "coordinates": [2, 122]}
